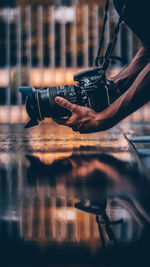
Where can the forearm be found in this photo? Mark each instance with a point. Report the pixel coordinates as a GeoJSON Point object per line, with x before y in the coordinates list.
{"type": "Point", "coordinates": [135, 97]}
{"type": "Point", "coordinates": [86, 120]}
{"type": "Point", "coordinates": [126, 77]}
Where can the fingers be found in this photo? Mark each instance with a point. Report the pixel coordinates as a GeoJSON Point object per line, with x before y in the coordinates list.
{"type": "Point", "coordinates": [75, 128]}
{"type": "Point", "coordinates": [63, 121]}
{"type": "Point", "coordinates": [67, 122]}
{"type": "Point", "coordinates": [60, 121]}
{"type": "Point", "coordinates": [83, 131]}
{"type": "Point", "coordinates": [65, 103]}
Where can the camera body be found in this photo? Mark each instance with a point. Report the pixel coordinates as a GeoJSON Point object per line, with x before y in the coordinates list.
{"type": "Point", "coordinates": [94, 88]}
{"type": "Point", "coordinates": [91, 91]}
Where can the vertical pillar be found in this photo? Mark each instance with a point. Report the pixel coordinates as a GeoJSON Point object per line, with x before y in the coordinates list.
{"type": "Point", "coordinates": [40, 36]}
{"type": "Point", "coordinates": [63, 45]}
{"type": "Point", "coordinates": [8, 63]}
{"type": "Point", "coordinates": [85, 37]}
{"type": "Point", "coordinates": [29, 38]}
{"type": "Point", "coordinates": [52, 43]}
{"type": "Point", "coordinates": [95, 32]}
{"type": "Point", "coordinates": [74, 40]}
{"type": "Point", "coordinates": [18, 54]}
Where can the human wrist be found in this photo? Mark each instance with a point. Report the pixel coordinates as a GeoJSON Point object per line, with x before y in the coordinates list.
{"type": "Point", "coordinates": [105, 119]}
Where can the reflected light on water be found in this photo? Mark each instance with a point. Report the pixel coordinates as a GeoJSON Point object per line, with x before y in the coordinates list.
{"type": "Point", "coordinates": [41, 198]}
{"type": "Point", "coordinates": [46, 170]}
{"type": "Point", "coordinates": [68, 214]}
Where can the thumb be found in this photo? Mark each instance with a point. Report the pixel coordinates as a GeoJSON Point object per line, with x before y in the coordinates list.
{"type": "Point", "coordinates": [64, 103]}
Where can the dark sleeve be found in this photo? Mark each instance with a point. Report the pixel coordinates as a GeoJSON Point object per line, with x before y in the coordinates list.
{"type": "Point", "coordinates": [137, 17]}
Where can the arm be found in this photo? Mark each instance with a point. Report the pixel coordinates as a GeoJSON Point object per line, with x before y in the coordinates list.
{"type": "Point", "coordinates": [124, 79]}
{"type": "Point", "coordinates": [85, 120]}
{"type": "Point", "coordinates": [135, 97]}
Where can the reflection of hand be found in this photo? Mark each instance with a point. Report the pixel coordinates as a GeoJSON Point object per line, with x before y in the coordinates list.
{"type": "Point", "coordinates": [83, 119]}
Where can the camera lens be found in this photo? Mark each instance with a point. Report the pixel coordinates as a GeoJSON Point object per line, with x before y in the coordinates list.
{"type": "Point", "coordinates": [48, 106]}
{"type": "Point", "coordinates": [41, 104]}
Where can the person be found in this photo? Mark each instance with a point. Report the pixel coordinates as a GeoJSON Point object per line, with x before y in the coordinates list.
{"type": "Point", "coordinates": [132, 83]}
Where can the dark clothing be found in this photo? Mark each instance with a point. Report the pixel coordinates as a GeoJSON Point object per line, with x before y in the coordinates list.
{"type": "Point", "coordinates": [137, 17]}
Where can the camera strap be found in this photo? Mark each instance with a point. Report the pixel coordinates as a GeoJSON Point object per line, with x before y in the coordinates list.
{"type": "Point", "coordinates": [111, 44]}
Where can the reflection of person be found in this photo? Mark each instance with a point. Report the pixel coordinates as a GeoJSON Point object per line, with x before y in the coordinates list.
{"type": "Point", "coordinates": [98, 175]}
{"type": "Point", "coordinates": [132, 83]}
{"type": "Point", "coordinates": [95, 178]}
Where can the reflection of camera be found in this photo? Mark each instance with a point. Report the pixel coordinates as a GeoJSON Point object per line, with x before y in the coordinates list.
{"type": "Point", "coordinates": [91, 91]}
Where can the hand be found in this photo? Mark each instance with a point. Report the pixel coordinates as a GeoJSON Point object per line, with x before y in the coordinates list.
{"type": "Point", "coordinates": [83, 119]}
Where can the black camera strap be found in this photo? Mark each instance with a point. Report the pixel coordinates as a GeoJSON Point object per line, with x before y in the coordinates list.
{"type": "Point", "coordinates": [112, 44]}
{"type": "Point", "coordinates": [102, 33]}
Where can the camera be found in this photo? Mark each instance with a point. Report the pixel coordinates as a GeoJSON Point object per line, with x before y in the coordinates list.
{"type": "Point", "coordinates": [91, 90]}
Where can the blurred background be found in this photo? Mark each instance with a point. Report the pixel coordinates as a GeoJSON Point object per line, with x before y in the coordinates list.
{"type": "Point", "coordinates": [44, 43]}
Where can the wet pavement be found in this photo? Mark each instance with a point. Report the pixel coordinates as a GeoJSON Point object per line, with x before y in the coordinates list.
{"type": "Point", "coordinates": [74, 200]}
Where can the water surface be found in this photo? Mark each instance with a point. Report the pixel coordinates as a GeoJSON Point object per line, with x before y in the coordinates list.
{"type": "Point", "coordinates": [53, 184]}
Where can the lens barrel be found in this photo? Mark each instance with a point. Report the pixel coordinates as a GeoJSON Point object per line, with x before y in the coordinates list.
{"type": "Point", "coordinates": [48, 106]}
{"type": "Point", "coordinates": [41, 104]}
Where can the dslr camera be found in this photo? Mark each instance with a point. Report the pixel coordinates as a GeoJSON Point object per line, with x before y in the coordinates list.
{"type": "Point", "coordinates": [91, 90]}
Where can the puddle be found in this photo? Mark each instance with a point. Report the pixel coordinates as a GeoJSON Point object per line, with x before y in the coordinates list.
{"type": "Point", "coordinates": [70, 199]}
